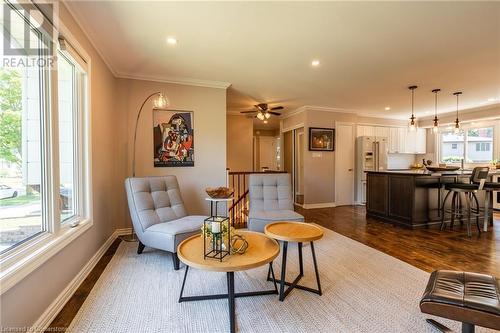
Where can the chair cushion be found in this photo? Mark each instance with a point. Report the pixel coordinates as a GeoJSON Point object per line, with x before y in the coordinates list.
{"type": "Point", "coordinates": [167, 236]}
{"type": "Point", "coordinates": [463, 296]}
{"type": "Point", "coordinates": [257, 220]}
{"type": "Point", "coordinates": [490, 185]}
{"type": "Point", "coordinates": [462, 186]}
{"type": "Point", "coordinates": [270, 191]}
{"type": "Point", "coordinates": [154, 200]}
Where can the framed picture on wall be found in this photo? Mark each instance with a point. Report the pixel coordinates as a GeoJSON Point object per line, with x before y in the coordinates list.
{"type": "Point", "coordinates": [321, 139]}
{"type": "Point", "coordinates": [173, 136]}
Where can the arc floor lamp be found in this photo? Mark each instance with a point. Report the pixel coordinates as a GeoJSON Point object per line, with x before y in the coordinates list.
{"type": "Point", "coordinates": [159, 102]}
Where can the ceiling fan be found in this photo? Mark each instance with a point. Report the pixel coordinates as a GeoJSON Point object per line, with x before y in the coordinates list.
{"type": "Point", "coordinates": [263, 112]}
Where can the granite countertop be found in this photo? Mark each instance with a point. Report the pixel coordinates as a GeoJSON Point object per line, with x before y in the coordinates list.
{"type": "Point", "coordinates": [424, 172]}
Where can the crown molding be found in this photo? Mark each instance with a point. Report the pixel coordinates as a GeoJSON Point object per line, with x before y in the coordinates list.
{"type": "Point", "coordinates": [162, 79]}
{"type": "Point", "coordinates": [461, 112]}
{"type": "Point", "coordinates": [85, 32]}
{"type": "Point", "coordinates": [176, 80]}
{"type": "Point", "coordinates": [358, 113]}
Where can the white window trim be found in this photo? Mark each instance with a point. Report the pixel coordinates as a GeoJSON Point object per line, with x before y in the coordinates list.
{"type": "Point", "coordinates": [22, 260]}
{"type": "Point", "coordinates": [465, 126]}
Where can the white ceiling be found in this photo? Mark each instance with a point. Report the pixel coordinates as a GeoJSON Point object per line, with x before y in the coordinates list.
{"type": "Point", "coordinates": [369, 51]}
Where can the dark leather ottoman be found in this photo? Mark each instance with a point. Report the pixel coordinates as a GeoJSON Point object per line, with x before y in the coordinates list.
{"type": "Point", "coordinates": [473, 299]}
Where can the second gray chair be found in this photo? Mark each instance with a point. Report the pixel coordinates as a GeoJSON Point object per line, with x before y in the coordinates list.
{"type": "Point", "coordinates": [158, 214]}
{"type": "Point", "coordinates": [271, 200]}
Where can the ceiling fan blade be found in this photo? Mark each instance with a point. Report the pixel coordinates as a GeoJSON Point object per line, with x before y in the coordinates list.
{"type": "Point", "coordinates": [261, 106]}
{"type": "Point", "coordinates": [275, 113]}
{"type": "Point", "coordinates": [277, 108]}
{"type": "Point", "coordinates": [251, 111]}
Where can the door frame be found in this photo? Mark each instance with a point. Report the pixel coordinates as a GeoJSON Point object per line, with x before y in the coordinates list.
{"type": "Point", "coordinates": [337, 170]}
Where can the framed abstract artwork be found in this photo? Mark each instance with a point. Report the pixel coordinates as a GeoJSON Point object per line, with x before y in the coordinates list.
{"type": "Point", "coordinates": [321, 139]}
{"type": "Point", "coordinates": [173, 135]}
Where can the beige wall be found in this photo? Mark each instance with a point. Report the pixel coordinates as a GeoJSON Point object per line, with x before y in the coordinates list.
{"type": "Point", "coordinates": [22, 305]}
{"type": "Point", "coordinates": [319, 167]}
{"type": "Point", "coordinates": [239, 143]}
{"type": "Point", "coordinates": [209, 107]}
{"type": "Point", "coordinates": [113, 108]}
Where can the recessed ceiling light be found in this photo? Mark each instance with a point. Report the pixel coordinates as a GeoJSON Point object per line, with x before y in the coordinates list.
{"type": "Point", "coordinates": [315, 63]}
{"type": "Point", "coordinates": [171, 41]}
{"type": "Point", "coordinates": [387, 108]}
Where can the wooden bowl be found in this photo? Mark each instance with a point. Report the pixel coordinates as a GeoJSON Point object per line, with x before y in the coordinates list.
{"type": "Point", "coordinates": [219, 192]}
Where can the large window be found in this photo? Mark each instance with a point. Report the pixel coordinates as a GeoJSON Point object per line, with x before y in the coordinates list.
{"type": "Point", "coordinates": [22, 188]}
{"type": "Point", "coordinates": [42, 144]}
{"type": "Point", "coordinates": [473, 145]}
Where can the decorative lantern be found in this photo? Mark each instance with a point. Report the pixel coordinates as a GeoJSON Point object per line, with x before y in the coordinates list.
{"type": "Point", "coordinates": [216, 233]}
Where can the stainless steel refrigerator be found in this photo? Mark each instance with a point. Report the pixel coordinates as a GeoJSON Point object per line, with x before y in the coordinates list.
{"type": "Point", "coordinates": [371, 154]}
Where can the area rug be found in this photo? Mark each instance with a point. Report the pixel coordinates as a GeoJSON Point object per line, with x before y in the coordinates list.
{"type": "Point", "coordinates": [364, 290]}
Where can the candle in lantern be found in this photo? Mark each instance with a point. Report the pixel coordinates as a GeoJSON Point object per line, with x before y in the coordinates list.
{"type": "Point", "coordinates": [215, 227]}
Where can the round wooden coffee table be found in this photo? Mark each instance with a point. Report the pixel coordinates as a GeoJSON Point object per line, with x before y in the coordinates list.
{"type": "Point", "coordinates": [261, 250]}
{"type": "Point", "coordinates": [299, 232]}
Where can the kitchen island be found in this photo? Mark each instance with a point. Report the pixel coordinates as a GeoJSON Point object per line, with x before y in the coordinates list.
{"type": "Point", "coordinates": [410, 198]}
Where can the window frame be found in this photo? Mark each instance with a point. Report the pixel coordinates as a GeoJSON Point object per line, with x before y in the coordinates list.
{"type": "Point", "coordinates": [465, 128]}
{"type": "Point", "coordinates": [19, 261]}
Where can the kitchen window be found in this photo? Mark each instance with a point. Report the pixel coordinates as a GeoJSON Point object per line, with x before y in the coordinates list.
{"type": "Point", "coordinates": [473, 145]}
{"type": "Point", "coordinates": [44, 149]}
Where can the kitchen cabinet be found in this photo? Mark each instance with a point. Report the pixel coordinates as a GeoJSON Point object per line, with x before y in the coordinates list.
{"type": "Point", "coordinates": [365, 130]}
{"type": "Point", "coordinates": [403, 141]}
{"type": "Point", "coordinates": [421, 143]}
{"type": "Point", "coordinates": [382, 132]}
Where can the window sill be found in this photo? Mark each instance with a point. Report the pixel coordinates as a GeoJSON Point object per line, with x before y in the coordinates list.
{"type": "Point", "coordinates": [16, 266]}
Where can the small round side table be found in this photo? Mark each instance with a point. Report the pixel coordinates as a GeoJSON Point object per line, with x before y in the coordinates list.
{"type": "Point", "coordinates": [261, 250]}
{"type": "Point", "coordinates": [299, 232]}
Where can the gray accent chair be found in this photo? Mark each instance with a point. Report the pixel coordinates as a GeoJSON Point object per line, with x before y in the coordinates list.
{"type": "Point", "coordinates": [270, 200]}
{"type": "Point", "coordinates": [158, 214]}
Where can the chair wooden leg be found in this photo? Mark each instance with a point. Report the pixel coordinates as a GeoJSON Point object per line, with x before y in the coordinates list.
{"type": "Point", "coordinates": [175, 261]}
{"type": "Point", "coordinates": [140, 248]}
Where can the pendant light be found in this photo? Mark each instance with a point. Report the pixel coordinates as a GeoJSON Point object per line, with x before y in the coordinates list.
{"type": "Point", "coordinates": [457, 122]}
{"type": "Point", "coordinates": [413, 125]}
{"type": "Point", "coordinates": [435, 127]}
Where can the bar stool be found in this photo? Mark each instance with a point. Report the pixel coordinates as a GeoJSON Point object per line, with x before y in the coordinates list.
{"type": "Point", "coordinates": [489, 187]}
{"type": "Point", "coordinates": [469, 190]}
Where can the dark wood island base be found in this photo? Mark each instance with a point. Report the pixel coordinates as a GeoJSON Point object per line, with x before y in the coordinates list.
{"type": "Point", "coordinates": [409, 198]}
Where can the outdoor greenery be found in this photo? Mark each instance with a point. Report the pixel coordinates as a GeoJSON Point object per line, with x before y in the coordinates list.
{"type": "Point", "coordinates": [10, 115]}
{"type": "Point", "coordinates": [20, 200]}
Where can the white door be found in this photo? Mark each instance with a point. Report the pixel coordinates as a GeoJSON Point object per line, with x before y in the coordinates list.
{"type": "Point", "coordinates": [344, 164]}
{"type": "Point", "coordinates": [267, 152]}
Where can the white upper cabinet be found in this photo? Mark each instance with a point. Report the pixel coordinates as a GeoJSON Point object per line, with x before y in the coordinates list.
{"type": "Point", "coordinates": [382, 132]}
{"type": "Point", "coordinates": [393, 140]}
{"type": "Point", "coordinates": [399, 139]}
{"type": "Point", "coordinates": [421, 146]}
{"type": "Point", "coordinates": [411, 141]}
{"type": "Point", "coordinates": [365, 131]}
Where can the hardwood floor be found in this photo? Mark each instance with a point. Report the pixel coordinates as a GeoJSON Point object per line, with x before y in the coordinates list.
{"type": "Point", "coordinates": [428, 249]}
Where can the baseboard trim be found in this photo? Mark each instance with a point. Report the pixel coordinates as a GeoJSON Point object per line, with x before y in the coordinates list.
{"type": "Point", "coordinates": [56, 306]}
{"type": "Point", "coordinates": [319, 205]}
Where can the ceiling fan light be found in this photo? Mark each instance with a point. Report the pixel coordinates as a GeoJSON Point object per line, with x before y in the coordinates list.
{"type": "Point", "coordinates": [261, 116]}
{"type": "Point", "coordinates": [267, 115]}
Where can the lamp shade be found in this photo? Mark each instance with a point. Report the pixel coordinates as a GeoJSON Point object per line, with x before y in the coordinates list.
{"type": "Point", "coordinates": [160, 101]}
